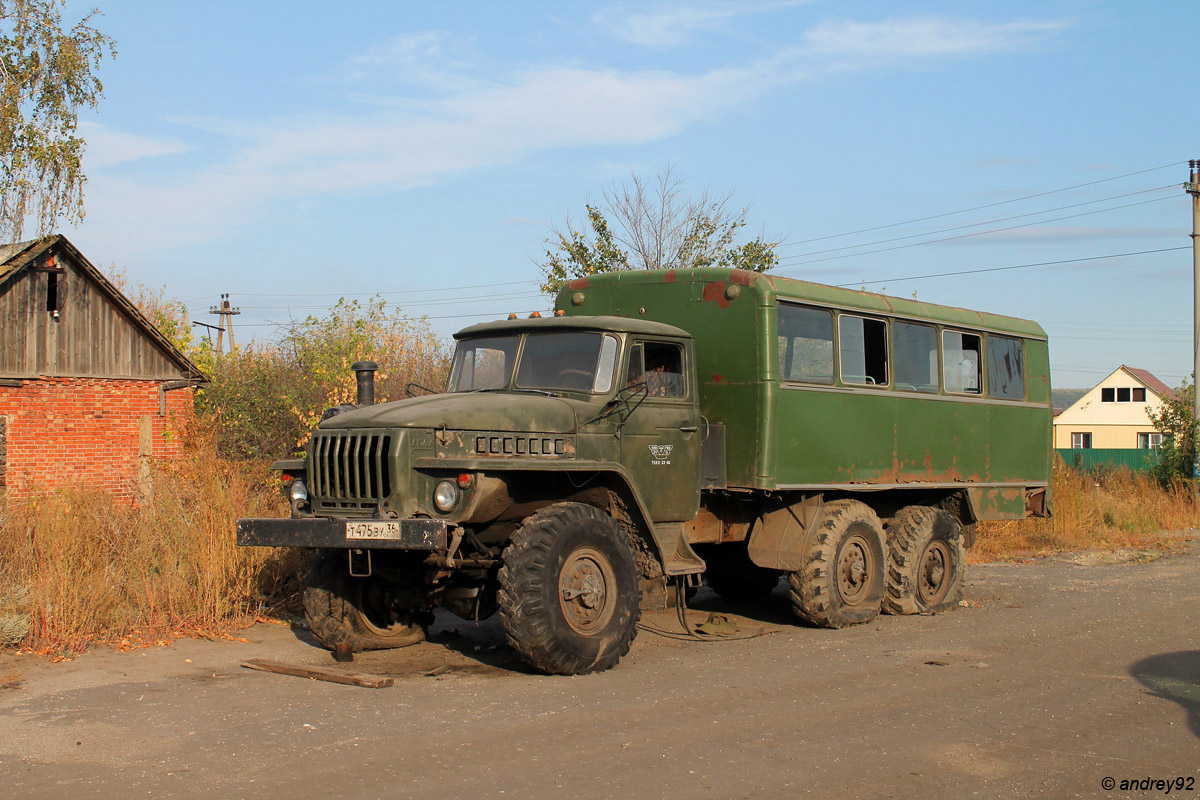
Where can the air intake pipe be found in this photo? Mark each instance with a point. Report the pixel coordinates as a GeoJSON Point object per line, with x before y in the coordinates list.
{"type": "Point", "coordinates": [364, 371]}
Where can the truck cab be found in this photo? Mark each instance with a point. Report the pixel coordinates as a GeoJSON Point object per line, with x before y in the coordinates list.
{"type": "Point", "coordinates": [576, 440]}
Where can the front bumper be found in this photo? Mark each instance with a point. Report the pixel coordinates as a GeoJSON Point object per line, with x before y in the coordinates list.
{"type": "Point", "coordinates": [393, 534]}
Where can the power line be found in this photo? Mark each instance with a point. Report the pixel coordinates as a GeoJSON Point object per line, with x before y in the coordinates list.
{"type": "Point", "coordinates": [1015, 266]}
{"type": "Point", "coordinates": [978, 208]}
{"type": "Point", "coordinates": [373, 294]}
{"type": "Point", "coordinates": [990, 222]}
{"type": "Point", "coordinates": [978, 233]}
{"type": "Point", "coordinates": [437, 302]}
{"type": "Point", "coordinates": [445, 316]}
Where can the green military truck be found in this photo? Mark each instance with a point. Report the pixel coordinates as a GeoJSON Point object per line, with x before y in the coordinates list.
{"type": "Point", "coordinates": [664, 426]}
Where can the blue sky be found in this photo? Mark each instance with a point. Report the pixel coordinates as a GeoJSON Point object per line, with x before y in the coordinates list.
{"type": "Point", "coordinates": [291, 153]}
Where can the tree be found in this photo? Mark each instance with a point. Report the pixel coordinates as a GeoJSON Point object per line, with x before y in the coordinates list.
{"type": "Point", "coordinates": [654, 226]}
{"type": "Point", "coordinates": [1177, 424]}
{"type": "Point", "coordinates": [47, 75]}
{"type": "Point", "coordinates": [265, 399]}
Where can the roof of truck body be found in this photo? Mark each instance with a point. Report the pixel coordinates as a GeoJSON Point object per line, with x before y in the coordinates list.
{"type": "Point", "coordinates": [770, 288]}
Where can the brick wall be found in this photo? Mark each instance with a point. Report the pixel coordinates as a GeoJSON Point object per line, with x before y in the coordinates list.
{"type": "Point", "coordinates": [88, 432]}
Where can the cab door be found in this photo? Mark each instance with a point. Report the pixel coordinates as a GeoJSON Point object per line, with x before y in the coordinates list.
{"type": "Point", "coordinates": [660, 437]}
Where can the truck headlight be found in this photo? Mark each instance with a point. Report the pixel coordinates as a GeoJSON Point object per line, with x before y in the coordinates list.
{"type": "Point", "coordinates": [299, 491]}
{"type": "Point", "coordinates": [445, 496]}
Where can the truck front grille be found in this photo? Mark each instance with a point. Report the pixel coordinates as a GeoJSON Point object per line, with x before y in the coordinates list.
{"type": "Point", "coordinates": [350, 470]}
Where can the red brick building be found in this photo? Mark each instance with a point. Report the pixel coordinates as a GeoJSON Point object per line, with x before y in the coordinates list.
{"type": "Point", "coordinates": [90, 391]}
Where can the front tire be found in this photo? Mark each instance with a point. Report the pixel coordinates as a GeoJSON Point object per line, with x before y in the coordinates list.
{"type": "Point", "coordinates": [360, 612]}
{"type": "Point", "coordinates": [841, 583]}
{"type": "Point", "coordinates": [569, 594]}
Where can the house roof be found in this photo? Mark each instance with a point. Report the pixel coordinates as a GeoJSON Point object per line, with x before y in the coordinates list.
{"type": "Point", "coordinates": [1152, 383]}
{"type": "Point", "coordinates": [14, 258]}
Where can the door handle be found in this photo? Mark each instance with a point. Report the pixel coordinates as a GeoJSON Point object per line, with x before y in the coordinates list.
{"type": "Point", "coordinates": [690, 428]}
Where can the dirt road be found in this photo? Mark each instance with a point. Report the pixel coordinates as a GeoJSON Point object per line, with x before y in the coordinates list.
{"type": "Point", "coordinates": [1062, 675]}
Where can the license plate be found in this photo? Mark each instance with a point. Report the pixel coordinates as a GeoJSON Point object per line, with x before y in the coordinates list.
{"type": "Point", "coordinates": [372, 530]}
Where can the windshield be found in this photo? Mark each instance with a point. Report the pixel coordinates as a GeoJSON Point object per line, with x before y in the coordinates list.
{"type": "Point", "coordinates": [574, 361]}
{"type": "Point", "coordinates": [485, 363]}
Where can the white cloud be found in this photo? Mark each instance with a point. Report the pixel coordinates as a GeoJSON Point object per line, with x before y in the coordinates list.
{"type": "Point", "coordinates": [920, 37]}
{"type": "Point", "coordinates": [106, 147]}
{"type": "Point", "coordinates": [673, 24]}
{"type": "Point", "coordinates": [431, 59]}
{"type": "Point", "coordinates": [418, 139]}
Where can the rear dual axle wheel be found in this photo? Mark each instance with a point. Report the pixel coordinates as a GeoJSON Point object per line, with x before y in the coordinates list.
{"type": "Point", "coordinates": [853, 571]}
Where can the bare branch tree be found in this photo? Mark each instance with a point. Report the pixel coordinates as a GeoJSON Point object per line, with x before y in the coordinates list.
{"type": "Point", "coordinates": [654, 226]}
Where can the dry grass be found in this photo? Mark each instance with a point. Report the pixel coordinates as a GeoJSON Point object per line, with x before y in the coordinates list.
{"type": "Point", "coordinates": [76, 568]}
{"type": "Point", "coordinates": [79, 568]}
{"type": "Point", "coordinates": [1118, 509]}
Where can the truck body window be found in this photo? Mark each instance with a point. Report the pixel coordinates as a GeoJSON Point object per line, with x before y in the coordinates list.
{"type": "Point", "coordinates": [863, 350]}
{"type": "Point", "coordinates": [963, 370]}
{"type": "Point", "coordinates": [1005, 368]}
{"type": "Point", "coordinates": [914, 357]}
{"type": "Point", "coordinates": [805, 343]}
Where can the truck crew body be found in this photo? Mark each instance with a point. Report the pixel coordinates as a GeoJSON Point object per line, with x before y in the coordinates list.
{"type": "Point", "coordinates": [665, 425]}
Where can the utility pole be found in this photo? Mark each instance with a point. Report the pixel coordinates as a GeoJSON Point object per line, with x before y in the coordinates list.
{"type": "Point", "coordinates": [226, 314]}
{"type": "Point", "coordinates": [1193, 188]}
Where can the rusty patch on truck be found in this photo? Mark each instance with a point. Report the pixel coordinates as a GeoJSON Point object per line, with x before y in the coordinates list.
{"type": "Point", "coordinates": [670, 277]}
{"type": "Point", "coordinates": [577, 284]}
{"type": "Point", "coordinates": [714, 292]}
{"type": "Point", "coordinates": [743, 277]}
{"type": "Point", "coordinates": [901, 472]}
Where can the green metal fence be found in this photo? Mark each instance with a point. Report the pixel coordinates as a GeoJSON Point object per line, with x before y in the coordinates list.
{"type": "Point", "coordinates": [1102, 459]}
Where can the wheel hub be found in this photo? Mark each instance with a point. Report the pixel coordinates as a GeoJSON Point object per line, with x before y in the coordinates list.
{"type": "Point", "coordinates": [932, 573]}
{"type": "Point", "coordinates": [854, 571]}
{"type": "Point", "coordinates": [586, 591]}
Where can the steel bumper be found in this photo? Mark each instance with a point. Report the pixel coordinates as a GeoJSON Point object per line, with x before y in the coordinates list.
{"type": "Point", "coordinates": [395, 534]}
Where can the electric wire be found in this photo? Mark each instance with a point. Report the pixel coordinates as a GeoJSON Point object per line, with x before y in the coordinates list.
{"type": "Point", "coordinates": [792, 265]}
{"type": "Point", "coordinates": [1013, 266]}
{"type": "Point", "coordinates": [979, 208]}
{"type": "Point", "coordinates": [988, 222]}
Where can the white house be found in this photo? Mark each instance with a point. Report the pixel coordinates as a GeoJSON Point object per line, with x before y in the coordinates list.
{"type": "Point", "coordinates": [1113, 414]}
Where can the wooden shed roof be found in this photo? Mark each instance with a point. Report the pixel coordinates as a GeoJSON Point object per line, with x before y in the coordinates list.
{"type": "Point", "coordinates": [18, 257]}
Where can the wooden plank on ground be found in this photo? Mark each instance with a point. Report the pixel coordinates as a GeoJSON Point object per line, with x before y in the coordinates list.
{"type": "Point", "coordinates": [364, 679]}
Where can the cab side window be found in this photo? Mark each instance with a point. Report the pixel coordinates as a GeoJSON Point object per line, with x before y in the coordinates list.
{"type": "Point", "coordinates": [659, 366]}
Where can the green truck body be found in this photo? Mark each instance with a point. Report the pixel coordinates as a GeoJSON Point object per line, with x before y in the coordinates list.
{"type": "Point", "coordinates": [664, 425]}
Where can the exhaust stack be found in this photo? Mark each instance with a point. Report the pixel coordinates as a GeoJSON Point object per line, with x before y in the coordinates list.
{"type": "Point", "coordinates": [364, 371]}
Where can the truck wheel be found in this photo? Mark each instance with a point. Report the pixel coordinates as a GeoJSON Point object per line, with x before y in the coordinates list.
{"type": "Point", "coordinates": [731, 574]}
{"type": "Point", "coordinates": [360, 612]}
{"type": "Point", "coordinates": [925, 561]}
{"type": "Point", "coordinates": [842, 580]}
{"type": "Point", "coordinates": [569, 594]}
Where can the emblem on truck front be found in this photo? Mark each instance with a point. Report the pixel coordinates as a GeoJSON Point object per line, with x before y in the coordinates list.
{"type": "Point", "coordinates": [660, 453]}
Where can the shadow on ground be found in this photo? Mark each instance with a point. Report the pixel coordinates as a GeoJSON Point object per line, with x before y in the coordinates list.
{"type": "Point", "coordinates": [1174, 676]}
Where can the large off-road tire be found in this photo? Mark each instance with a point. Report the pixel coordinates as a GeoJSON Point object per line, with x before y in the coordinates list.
{"type": "Point", "coordinates": [569, 594]}
{"type": "Point", "coordinates": [926, 563]}
{"type": "Point", "coordinates": [841, 583]}
{"type": "Point", "coordinates": [360, 612]}
{"type": "Point", "coordinates": [731, 574]}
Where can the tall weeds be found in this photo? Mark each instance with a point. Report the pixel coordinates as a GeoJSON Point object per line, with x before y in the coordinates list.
{"type": "Point", "coordinates": [80, 568]}
{"type": "Point", "coordinates": [1112, 510]}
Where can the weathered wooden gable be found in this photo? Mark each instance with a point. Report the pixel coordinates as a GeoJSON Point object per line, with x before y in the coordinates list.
{"type": "Point", "coordinates": [59, 317]}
